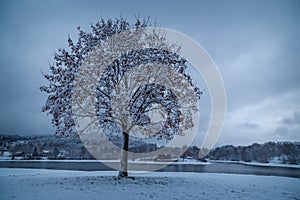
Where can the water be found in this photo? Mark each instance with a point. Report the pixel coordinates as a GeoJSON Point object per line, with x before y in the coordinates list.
{"type": "Point", "coordinates": [231, 168]}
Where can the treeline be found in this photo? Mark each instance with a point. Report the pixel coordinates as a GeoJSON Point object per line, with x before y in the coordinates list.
{"type": "Point", "coordinates": [275, 152]}
{"type": "Point", "coordinates": [38, 147]}
{"type": "Point", "coordinates": [54, 147]}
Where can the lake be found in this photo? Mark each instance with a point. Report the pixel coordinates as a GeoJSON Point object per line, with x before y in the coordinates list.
{"type": "Point", "coordinates": [214, 167]}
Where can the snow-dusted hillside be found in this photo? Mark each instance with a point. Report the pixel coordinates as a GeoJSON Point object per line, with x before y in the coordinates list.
{"type": "Point", "coordinates": [59, 184]}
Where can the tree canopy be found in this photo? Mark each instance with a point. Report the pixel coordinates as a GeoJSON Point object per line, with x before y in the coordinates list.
{"type": "Point", "coordinates": [121, 76]}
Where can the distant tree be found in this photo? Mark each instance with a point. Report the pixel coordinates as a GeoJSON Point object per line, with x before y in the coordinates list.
{"type": "Point", "coordinates": [244, 155]}
{"type": "Point", "coordinates": [55, 152]}
{"type": "Point", "coordinates": [34, 152]}
{"type": "Point", "coordinates": [120, 102]}
{"type": "Point", "coordinates": [291, 153]}
{"type": "Point", "coordinates": [203, 152]}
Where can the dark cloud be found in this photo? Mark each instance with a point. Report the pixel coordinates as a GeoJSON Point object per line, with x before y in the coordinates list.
{"type": "Point", "coordinates": [295, 119]}
{"type": "Point", "coordinates": [249, 125]}
{"type": "Point", "coordinates": [282, 131]}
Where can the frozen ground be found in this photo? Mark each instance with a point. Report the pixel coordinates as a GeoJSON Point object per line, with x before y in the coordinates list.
{"type": "Point", "coordinates": [61, 184]}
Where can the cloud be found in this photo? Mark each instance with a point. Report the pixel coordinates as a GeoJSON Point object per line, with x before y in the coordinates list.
{"type": "Point", "coordinates": [281, 131]}
{"type": "Point", "coordinates": [261, 68]}
{"type": "Point", "coordinates": [289, 126]}
{"type": "Point", "coordinates": [276, 118]}
{"type": "Point", "coordinates": [248, 125]}
{"type": "Point", "coordinates": [292, 120]}
{"type": "Point", "coordinates": [255, 47]}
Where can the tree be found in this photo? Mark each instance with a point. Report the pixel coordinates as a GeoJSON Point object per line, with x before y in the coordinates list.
{"type": "Point", "coordinates": [34, 152]}
{"type": "Point", "coordinates": [124, 87]}
{"type": "Point", "coordinates": [55, 151]}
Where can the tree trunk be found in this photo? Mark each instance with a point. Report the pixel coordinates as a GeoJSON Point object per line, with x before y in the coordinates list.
{"type": "Point", "coordinates": [124, 161]}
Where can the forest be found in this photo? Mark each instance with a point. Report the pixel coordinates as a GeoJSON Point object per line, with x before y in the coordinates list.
{"type": "Point", "coordinates": [55, 147]}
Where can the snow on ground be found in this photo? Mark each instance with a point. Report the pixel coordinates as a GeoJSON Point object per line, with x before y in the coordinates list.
{"type": "Point", "coordinates": [257, 163]}
{"type": "Point", "coordinates": [62, 184]}
{"type": "Point", "coordinates": [271, 164]}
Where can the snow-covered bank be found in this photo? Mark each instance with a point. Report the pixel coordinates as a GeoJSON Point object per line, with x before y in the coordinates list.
{"type": "Point", "coordinates": [61, 184]}
{"type": "Point", "coordinates": [190, 162]}
{"type": "Point", "coordinates": [257, 164]}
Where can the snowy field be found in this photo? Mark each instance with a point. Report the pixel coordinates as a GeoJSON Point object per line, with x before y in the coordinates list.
{"type": "Point", "coordinates": [45, 184]}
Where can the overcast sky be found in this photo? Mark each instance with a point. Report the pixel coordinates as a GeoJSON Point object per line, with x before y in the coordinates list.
{"type": "Point", "coordinates": [255, 44]}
